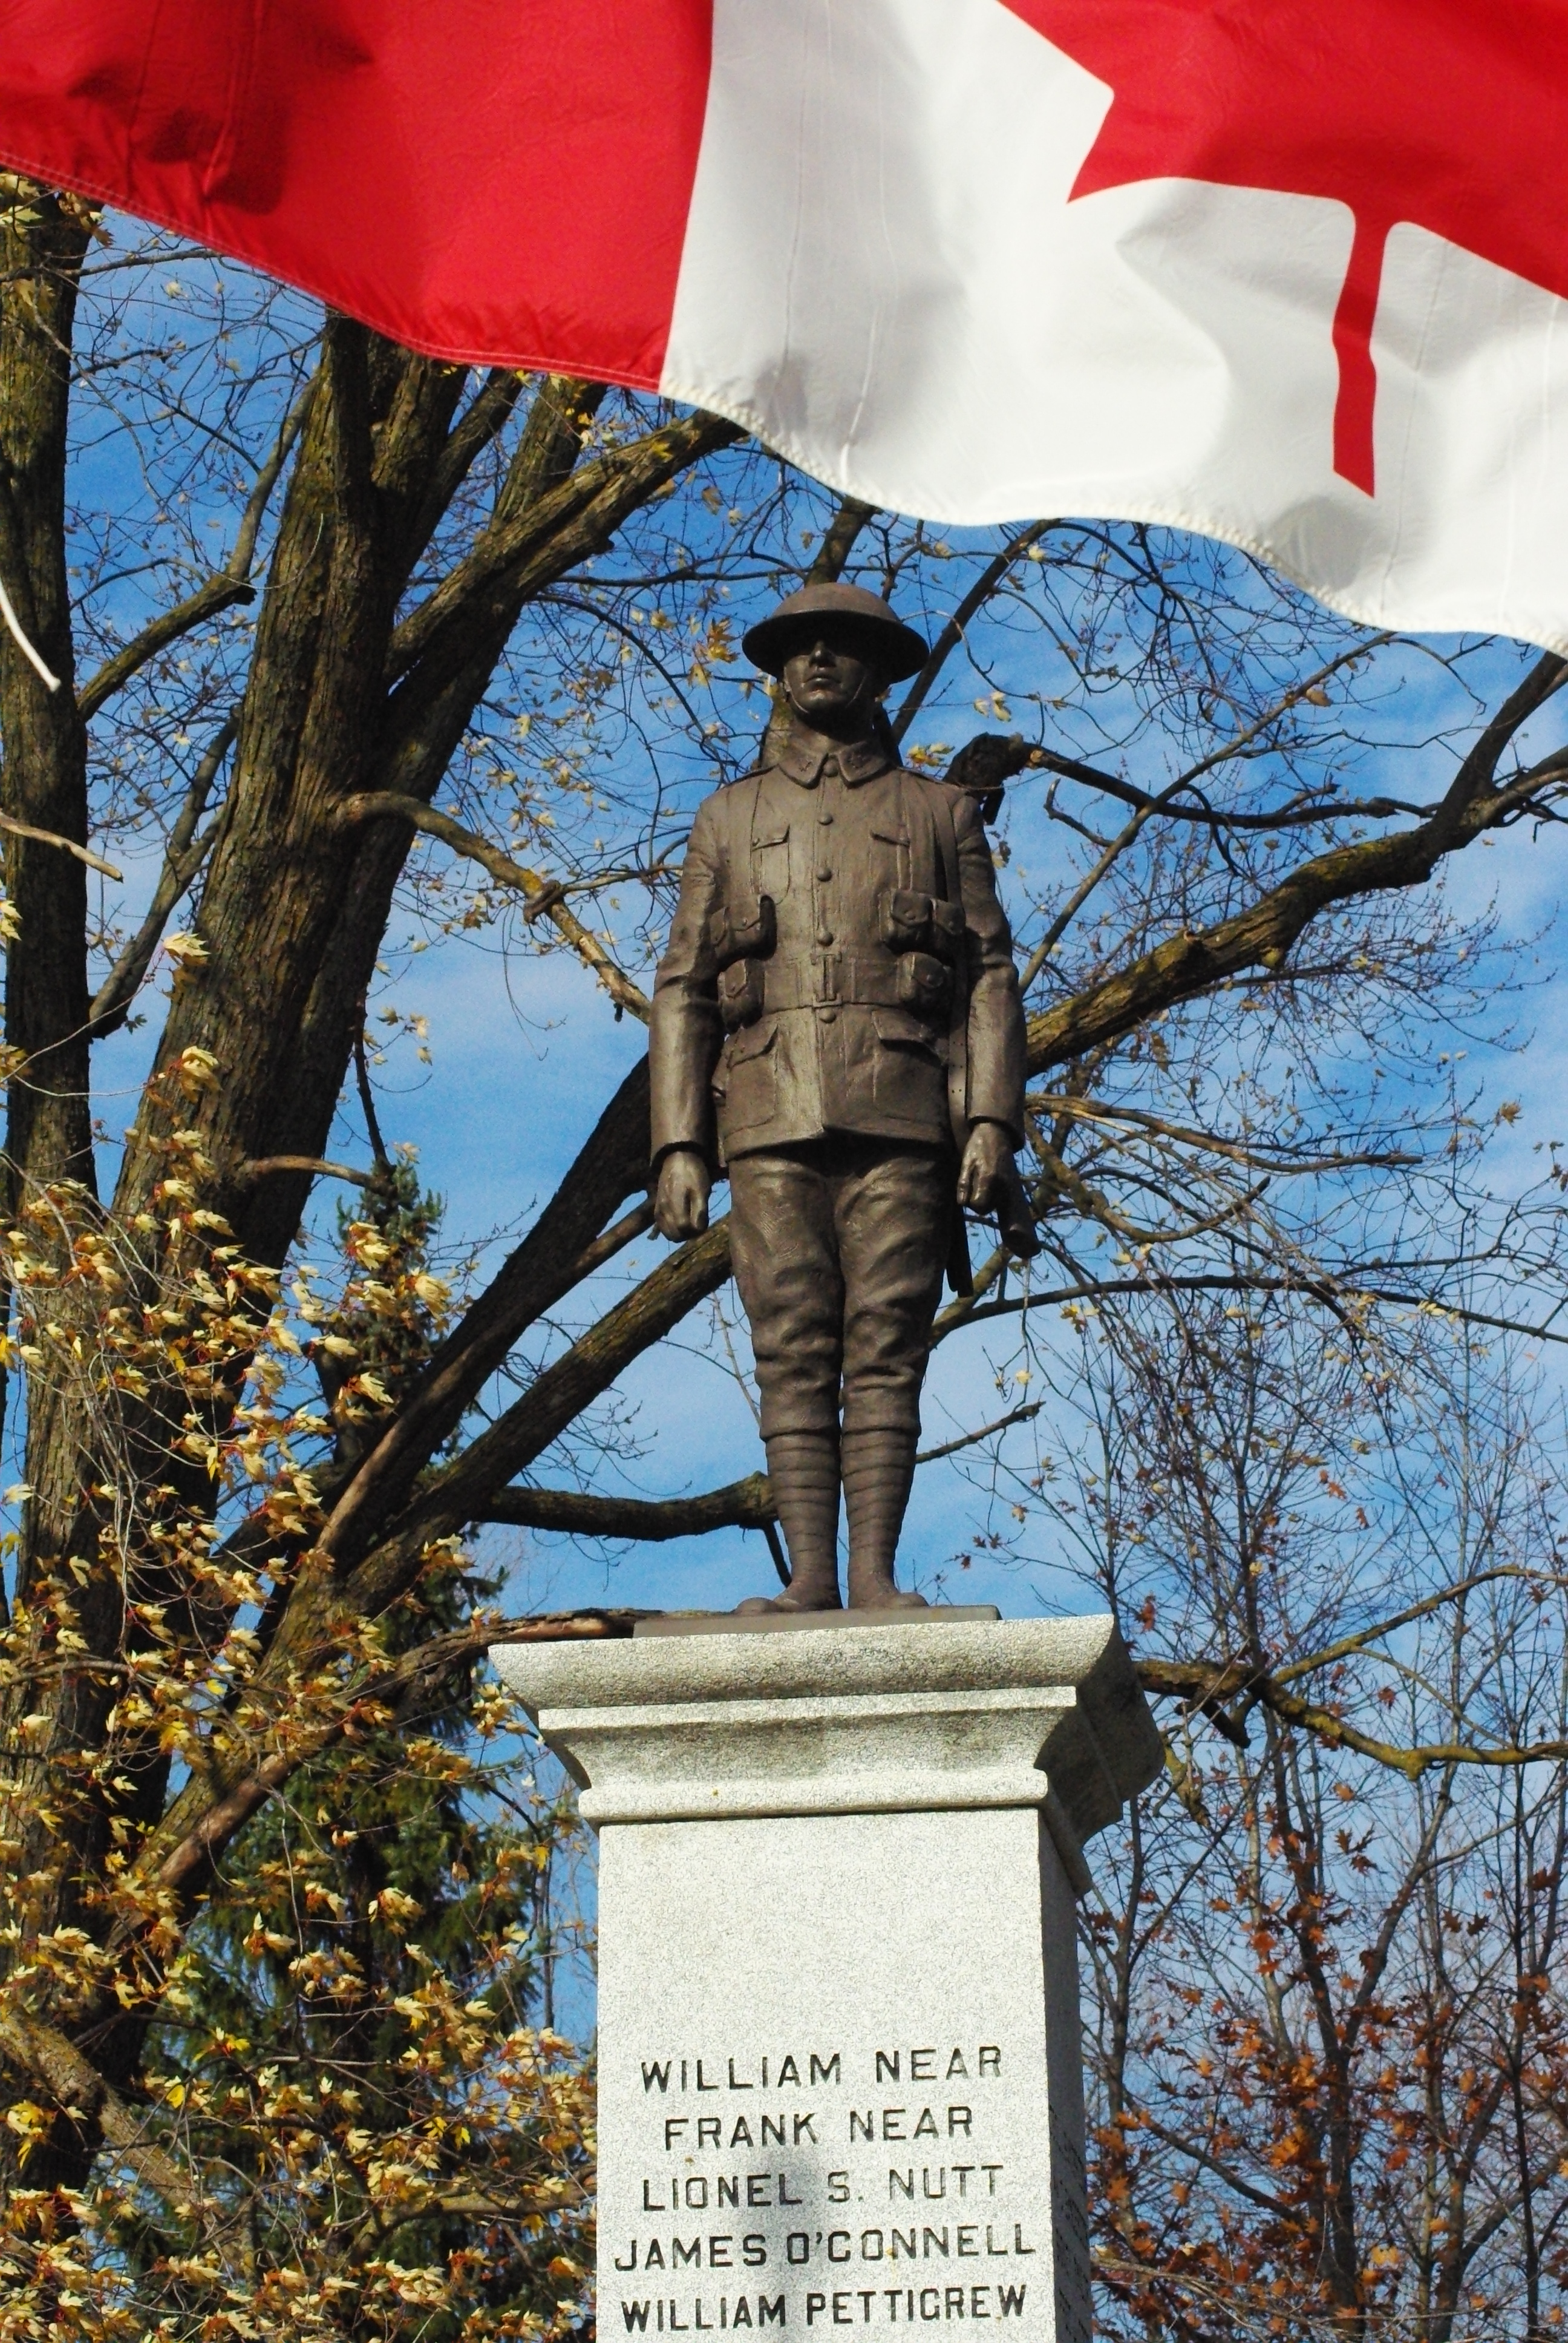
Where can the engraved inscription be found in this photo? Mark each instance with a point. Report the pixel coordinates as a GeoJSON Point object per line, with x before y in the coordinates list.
{"type": "Point", "coordinates": [826, 2186]}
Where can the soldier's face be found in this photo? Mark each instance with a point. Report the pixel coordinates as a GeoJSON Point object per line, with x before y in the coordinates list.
{"type": "Point", "coordinates": [826, 683]}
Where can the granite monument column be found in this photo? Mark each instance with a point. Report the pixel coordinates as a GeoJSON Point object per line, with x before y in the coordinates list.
{"type": "Point", "coordinates": [840, 2070]}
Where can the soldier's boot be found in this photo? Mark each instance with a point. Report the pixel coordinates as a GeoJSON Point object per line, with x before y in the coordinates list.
{"type": "Point", "coordinates": [803, 1467]}
{"type": "Point", "coordinates": [879, 1467]}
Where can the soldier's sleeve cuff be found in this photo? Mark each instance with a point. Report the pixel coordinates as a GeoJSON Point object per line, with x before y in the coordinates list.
{"type": "Point", "coordinates": [1003, 1122]}
{"type": "Point", "coordinates": [698, 1145]}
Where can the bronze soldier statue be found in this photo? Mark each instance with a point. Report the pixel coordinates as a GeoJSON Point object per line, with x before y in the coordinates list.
{"type": "Point", "coordinates": [837, 1018]}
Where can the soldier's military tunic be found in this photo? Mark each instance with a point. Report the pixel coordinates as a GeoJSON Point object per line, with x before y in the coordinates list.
{"type": "Point", "coordinates": [837, 1006]}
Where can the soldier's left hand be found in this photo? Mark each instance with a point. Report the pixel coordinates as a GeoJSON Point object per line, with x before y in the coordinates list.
{"type": "Point", "coordinates": [982, 1174]}
{"type": "Point", "coordinates": [989, 1184]}
{"type": "Point", "coordinates": [680, 1198]}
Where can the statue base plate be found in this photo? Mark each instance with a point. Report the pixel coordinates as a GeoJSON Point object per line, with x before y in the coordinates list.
{"type": "Point", "coordinates": [776, 1623]}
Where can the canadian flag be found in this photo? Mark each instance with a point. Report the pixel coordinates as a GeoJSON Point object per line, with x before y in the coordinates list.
{"type": "Point", "coordinates": [1291, 273]}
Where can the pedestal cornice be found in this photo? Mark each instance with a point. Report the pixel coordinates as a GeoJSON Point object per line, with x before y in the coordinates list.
{"type": "Point", "coordinates": [887, 1717]}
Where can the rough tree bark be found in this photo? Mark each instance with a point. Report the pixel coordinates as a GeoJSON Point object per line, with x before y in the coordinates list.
{"type": "Point", "coordinates": [338, 700]}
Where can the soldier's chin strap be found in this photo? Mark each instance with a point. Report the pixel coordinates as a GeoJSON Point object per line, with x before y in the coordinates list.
{"type": "Point", "coordinates": [882, 732]}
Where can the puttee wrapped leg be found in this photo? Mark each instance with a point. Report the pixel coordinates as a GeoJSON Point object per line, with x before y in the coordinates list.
{"type": "Point", "coordinates": [803, 1467]}
{"type": "Point", "coordinates": [787, 1267]}
{"type": "Point", "coordinates": [879, 1466]}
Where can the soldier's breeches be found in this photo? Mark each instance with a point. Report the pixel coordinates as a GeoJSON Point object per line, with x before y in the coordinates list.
{"type": "Point", "coordinates": [839, 1247]}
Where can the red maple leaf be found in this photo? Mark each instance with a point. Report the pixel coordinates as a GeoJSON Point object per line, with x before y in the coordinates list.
{"type": "Point", "coordinates": [1452, 115]}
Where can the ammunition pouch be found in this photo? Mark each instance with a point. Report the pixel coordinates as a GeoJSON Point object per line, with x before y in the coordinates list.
{"type": "Point", "coordinates": [742, 934]}
{"type": "Point", "coordinates": [906, 918]}
{"type": "Point", "coordinates": [913, 923]}
{"type": "Point", "coordinates": [747, 929]}
{"type": "Point", "coordinates": [741, 986]}
{"type": "Point", "coordinates": [925, 986]}
{"type": "Point", "coordinates": [948, 927]}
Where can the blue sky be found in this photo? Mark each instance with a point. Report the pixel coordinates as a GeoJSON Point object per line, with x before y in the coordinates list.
{"type": "Point", "coordinates": [524, 1056]}
{"type": "Point", "coordinates": [525, 1050]}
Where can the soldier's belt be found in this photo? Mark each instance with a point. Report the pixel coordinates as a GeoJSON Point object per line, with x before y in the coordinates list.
{"type": "Point", "coordinates": [843, 979]}
{"type": "Point", "coordinates": [830, 978]}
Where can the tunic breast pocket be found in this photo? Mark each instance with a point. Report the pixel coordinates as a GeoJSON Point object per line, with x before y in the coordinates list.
{"type": "Point", "coordinates": [771, 862]}
{"type": "Point", "coordinates": [750, 1075]}
{"type": "Point", "coordinates": [890, 855]}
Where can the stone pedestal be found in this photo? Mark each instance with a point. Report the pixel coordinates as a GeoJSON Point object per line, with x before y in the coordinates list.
{"type": "Point", "coordinates": [840, 2078]}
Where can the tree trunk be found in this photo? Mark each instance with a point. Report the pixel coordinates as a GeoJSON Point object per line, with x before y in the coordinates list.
{"type": "Point", "coordinates": [48, 1136]}
{"type": "Point", "coordinates": [339, 699]}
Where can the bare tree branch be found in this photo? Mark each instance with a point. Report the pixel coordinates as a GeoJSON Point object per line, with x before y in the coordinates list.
{"type": "Point", "coordinates": [262, 1166]}
{"type": "Point", "coordinates": [1256, 1154]}
{"type": "Point", "coordinates": [183, 859]}
{"type": "Point", "coordinates": [583, 511]}
{"type": "Point", "coordinates": [485, 418]}
{"type": "Point", "coordinates": [746, 1504]}
{"type": "Point", "coordinates": [1345, 1291]}
{"type": "Point", "coordinates": [952, 634]}
{"type": "Point", "coordinates": [215, 594]}
{"type": "Point", "coordinates": [839, 541]}
{"type": "Point", "coordinates": [612, 1164]}
{"type": "Point", "coordinates": [542, 898]}
{"type": "Point", "coordinates": [66, 845]}
{"type": "Point", "coordinates": [509, 1445]}
{"type": "Point", "coordinates": [1210, 1685]}
{"type": "Point", "coordinates": [1262, 935]}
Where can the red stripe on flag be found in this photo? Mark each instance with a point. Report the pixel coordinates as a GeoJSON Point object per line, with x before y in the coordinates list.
{"type": "Point", "coordinates": [505, 181]}
{"type": "Point", "coordinates": [1354, 319]}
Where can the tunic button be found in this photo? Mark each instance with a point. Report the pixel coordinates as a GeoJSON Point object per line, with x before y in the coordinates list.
{"type": "Point", "coordinates": [823, 874]}
{"type": "Point", "coordinates": [824, 816]}
{"type": "Point", "coordinates": [825, 1016]}
{"type": "Point", "coordinates": [824, 935]}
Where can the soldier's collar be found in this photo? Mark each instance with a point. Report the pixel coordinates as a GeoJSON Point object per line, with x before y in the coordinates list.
{"type": "Point", "coordinates": [858, 760]}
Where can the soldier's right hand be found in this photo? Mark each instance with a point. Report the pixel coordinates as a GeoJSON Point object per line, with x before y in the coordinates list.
{"type": "Point", "coordinates": [681, 1199]}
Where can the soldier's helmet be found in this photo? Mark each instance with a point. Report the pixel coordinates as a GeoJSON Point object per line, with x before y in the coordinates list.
{"type": "Point", "coordinates": [862, 621]}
